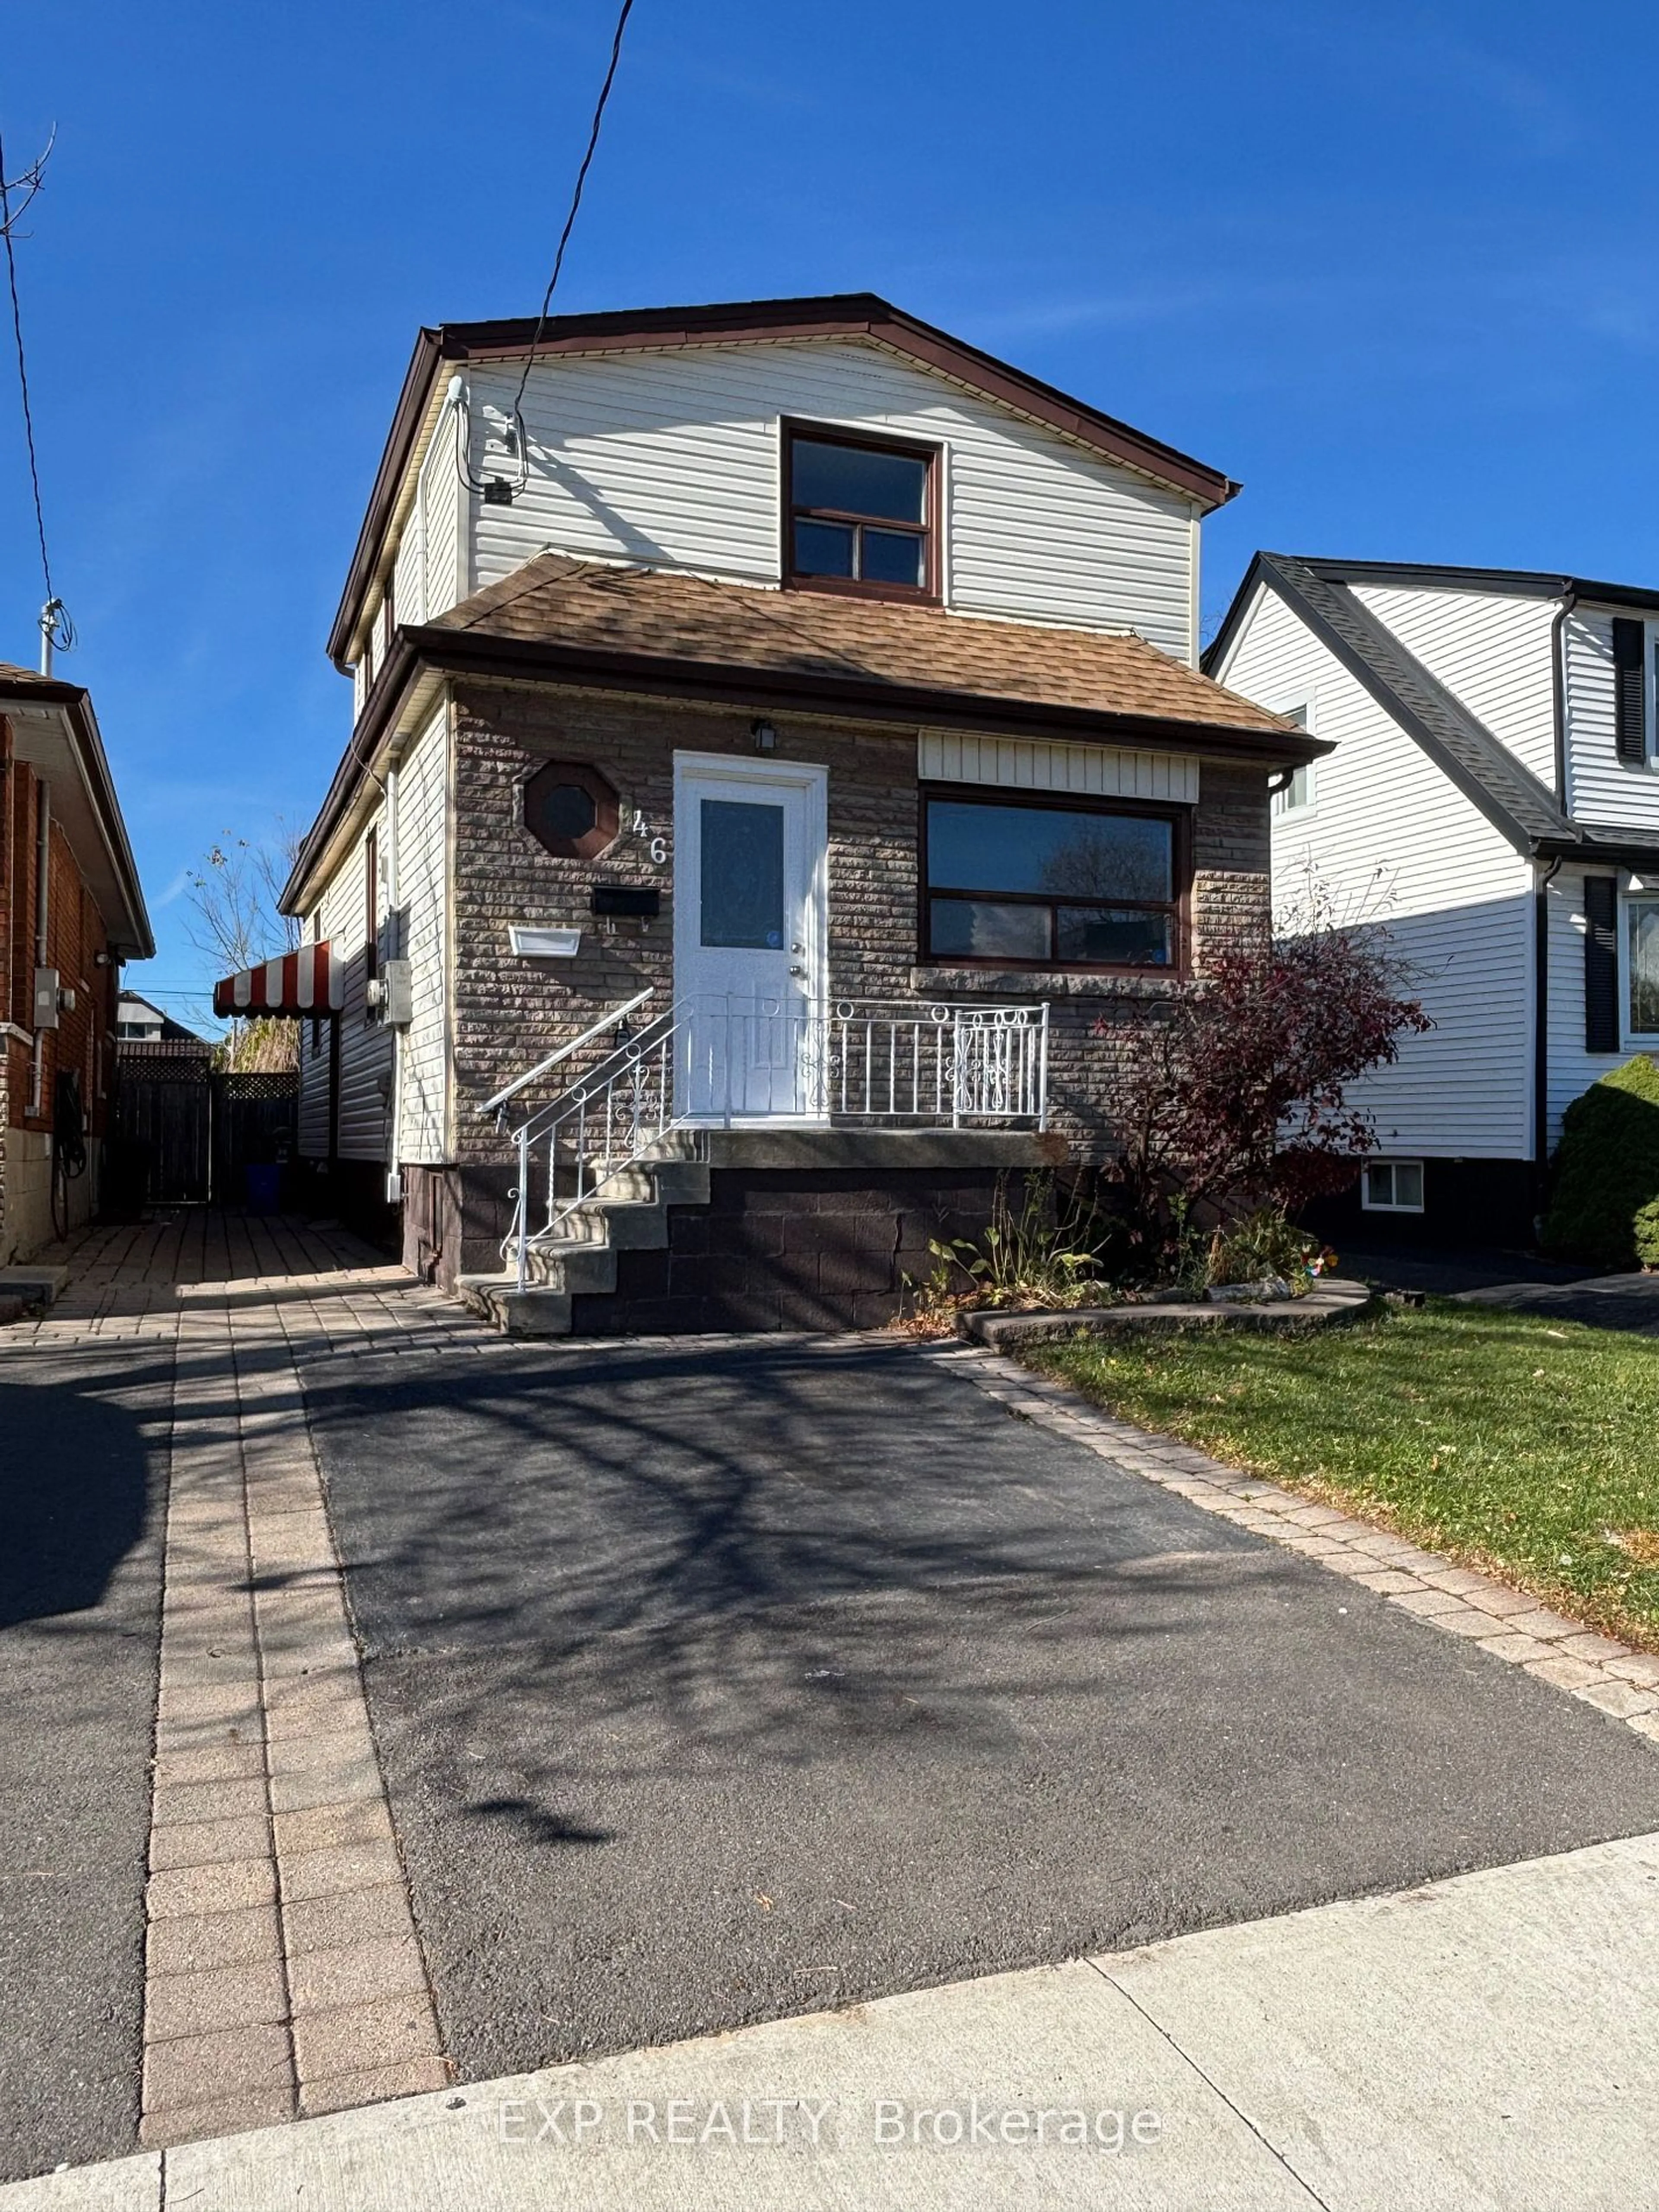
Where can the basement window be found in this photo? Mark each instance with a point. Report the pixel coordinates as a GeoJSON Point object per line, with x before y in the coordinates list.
{"type": "Point", "coordinates": [1392, 1186]}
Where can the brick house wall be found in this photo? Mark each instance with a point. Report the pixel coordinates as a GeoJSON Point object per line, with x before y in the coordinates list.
{"type": "Point", "coordinates": [84, 1039]}
{"type": "Point", "coordinates": [507, 1011]}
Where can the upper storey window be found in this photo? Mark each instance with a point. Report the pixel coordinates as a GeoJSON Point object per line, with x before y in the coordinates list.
{"type": "Point", "coordinates": [860, 515]}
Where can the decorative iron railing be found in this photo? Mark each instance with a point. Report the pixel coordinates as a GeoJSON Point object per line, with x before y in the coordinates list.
{"type": "Point", "coordinates": [718, 1062]}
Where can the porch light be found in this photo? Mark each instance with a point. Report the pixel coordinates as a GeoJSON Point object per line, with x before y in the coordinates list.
{"type": "Point", "coordinates": [765, 737]}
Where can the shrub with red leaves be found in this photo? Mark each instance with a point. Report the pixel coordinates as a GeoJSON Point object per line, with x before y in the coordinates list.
{"type": "Point", "coordinates": [1233, 1091]}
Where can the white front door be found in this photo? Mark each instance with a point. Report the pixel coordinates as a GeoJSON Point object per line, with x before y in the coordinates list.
{"type": "Point", "coordinates": [749, 936]}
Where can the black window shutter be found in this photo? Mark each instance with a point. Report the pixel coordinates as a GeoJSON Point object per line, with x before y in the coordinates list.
{"type": "Point", "coordinates": [1630, 690]}
{"type": "Point", "coordinates": [1602, 963]}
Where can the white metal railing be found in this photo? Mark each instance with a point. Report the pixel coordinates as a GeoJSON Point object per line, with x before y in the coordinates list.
{"type": "Point", "coordinates": [714, 1062]}
{"type": "Point", "coordinates": [614, 1020]}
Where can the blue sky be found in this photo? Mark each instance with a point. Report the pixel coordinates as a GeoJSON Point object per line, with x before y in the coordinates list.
{"type": "Point", "coordinates": [1393, 266]}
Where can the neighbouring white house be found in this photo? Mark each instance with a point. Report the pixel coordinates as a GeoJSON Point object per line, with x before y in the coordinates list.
{"type": "Point", "coordinates": [1495, 776]}
{"type": "Point", "coordinates": [779, 753]}
{"type": "Point", "coordinates": [139, 1022]}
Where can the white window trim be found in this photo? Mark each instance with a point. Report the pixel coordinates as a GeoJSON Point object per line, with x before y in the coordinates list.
{"type": "Point", "coordinates": [1650, 693]}
{"type": "Point", "coordinates": [1634, 1039]}
{"type": "Point", "coordinates": [1304, 702]}
{"type": "Point", "coordinates": [1369, 1205]}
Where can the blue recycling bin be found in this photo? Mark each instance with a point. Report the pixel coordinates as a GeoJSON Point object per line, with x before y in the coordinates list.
{"type": "Point", "coordinates": [264, 1189]}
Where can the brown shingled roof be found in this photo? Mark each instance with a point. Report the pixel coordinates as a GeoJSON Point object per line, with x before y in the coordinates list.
{"type": "Point", "coordinates": [638, 615]}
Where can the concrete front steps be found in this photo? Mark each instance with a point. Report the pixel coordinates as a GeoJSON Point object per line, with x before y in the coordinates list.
{"type": "Point", "coordinates": [630, 1213]}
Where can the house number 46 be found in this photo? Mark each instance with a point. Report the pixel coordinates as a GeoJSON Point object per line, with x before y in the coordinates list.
{"type": "Point", "coordinates": [657, 846]}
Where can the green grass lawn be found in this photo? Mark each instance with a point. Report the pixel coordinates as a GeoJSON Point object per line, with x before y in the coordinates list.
{"type": "Point", "coordinates": [1525, 1447]}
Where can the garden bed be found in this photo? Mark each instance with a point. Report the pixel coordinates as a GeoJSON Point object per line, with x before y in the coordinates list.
{"type": "Point", "coordinates": [1328, 1300]}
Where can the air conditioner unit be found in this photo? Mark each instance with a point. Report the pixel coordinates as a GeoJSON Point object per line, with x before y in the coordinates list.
{"type": "Point", "coordinates": [390, 996]}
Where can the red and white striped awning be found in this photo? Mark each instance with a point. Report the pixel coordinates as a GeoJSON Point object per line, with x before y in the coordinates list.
{"type": "Point", "coordinates": [307, 982]}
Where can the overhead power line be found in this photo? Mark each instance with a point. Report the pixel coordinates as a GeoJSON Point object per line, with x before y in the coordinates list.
{"type": "Point", "coordinates": [575, 200]}
{"type": "Point", "coordinates": [30, 183]}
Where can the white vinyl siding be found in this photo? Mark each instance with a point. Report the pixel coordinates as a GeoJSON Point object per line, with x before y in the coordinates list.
{"type": "Point", "coordinates": [437, 570]}
{"type": "Point", "coordinates": [406, 576]}
{"type": "Point", "coordinates": [672, 459]}
{"type": "Point", "coordinates": [1571, 1069]}
{"type": "Point", "coordinates": [365, 1048]}
{"type": "Point", "coordinates": [1029, 764]}
{"type": "Point", "coordinates": [422, 856]}
{"type": "Point", "coordinates": [1461, 908]}
{"type": "Point", "coordinates": [1601, 788]}
{"type": "Point", "coordinates": [314, 1083]}
{"type": "Point", "coordinates": [1492, 649]}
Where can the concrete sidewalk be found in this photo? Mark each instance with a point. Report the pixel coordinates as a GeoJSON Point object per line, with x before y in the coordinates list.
{"type": "Point", "coordinates": [1489, 2044]}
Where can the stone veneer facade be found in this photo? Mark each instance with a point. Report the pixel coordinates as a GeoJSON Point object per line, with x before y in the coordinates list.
{"type": "Point", "coordinates": [507, 1011]}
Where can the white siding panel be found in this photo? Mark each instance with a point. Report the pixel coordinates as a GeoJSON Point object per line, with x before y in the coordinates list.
{"type": "Point", "coordinates": [365, 1048]}
{"type": "Point", "coordinates": [1600, 788]}
{"type": "Point", "coordinates": [672, 459]}
{"type": "Point", "coordinates": [313, 1090]}
{"type": "Point", "coordinates": [1027, 765]}
{"type": "Point", "coordinates": [422, 848]}
{"type": "Point", "coordinates": [1492, 649]}
{"type": "Point", "coordinates": [1572, 1070]}
{"type": "Point", "coordinates": [406, 579]}
{"type": "Point", "coordinates": [442, 573]}
{"type": "Point", "coordinates": [1391, 836]}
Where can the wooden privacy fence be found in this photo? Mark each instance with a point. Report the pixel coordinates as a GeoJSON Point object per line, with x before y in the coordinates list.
{"type": "Point", "coordinates": [184, 1132]}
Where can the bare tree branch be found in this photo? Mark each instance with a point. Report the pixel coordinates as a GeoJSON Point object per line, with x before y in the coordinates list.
{"type": "Point", "coordinates": [235, 923]}
{"type": "Point", "coordinates": [16, 192]}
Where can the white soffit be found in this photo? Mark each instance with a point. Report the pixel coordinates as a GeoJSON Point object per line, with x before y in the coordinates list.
{"type": "Point", "coordinates": [1030, 764]}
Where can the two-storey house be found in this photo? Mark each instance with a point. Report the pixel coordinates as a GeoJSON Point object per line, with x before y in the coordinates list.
{"type": "Point", "coordinates": [778, 741]}
{"type": "Point", "coordinates": [1492, 795]}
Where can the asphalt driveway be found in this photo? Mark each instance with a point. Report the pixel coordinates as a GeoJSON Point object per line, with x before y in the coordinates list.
{"type": "Point", "coordinates": [719, 1682]}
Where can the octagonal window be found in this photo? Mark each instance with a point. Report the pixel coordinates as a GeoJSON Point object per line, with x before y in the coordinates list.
{"type": "Point", "coordinates": [571, 808]}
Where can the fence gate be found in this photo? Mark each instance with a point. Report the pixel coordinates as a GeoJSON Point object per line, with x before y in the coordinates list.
{"type": "Point", "coordinates": [255, 1121]}
{"type": "Point", "coordinates": [161, 1129]}
{"type": "Point", "coordinates": [183, 1130]}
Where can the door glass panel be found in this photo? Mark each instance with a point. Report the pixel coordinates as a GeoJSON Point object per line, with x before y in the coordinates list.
{"type": "Point", "coordinates": [989, 930]}
{"type": "Point", "coordinates": [742, 874]}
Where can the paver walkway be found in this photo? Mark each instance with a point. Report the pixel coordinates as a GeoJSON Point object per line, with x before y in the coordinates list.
{"type": "Point", "coordinates": [280, 1970]}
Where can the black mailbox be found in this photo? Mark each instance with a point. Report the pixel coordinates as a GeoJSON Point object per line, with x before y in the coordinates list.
{"type": "Point", "coordinates": [644, 900]}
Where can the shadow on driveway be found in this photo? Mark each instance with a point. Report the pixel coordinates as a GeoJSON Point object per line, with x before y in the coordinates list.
{"type": "Point", "coordinates": [73, 1485]}
{"type": "Point", "coordinates": [82, 1487]}
{"type": "Point", "coordinates": [715, 1683]}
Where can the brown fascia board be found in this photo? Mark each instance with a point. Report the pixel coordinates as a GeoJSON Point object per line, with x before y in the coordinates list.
{"type": "Point", "coordinates": [843, 315]}
{"type": "Point", "coordinates": [462, 653]}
